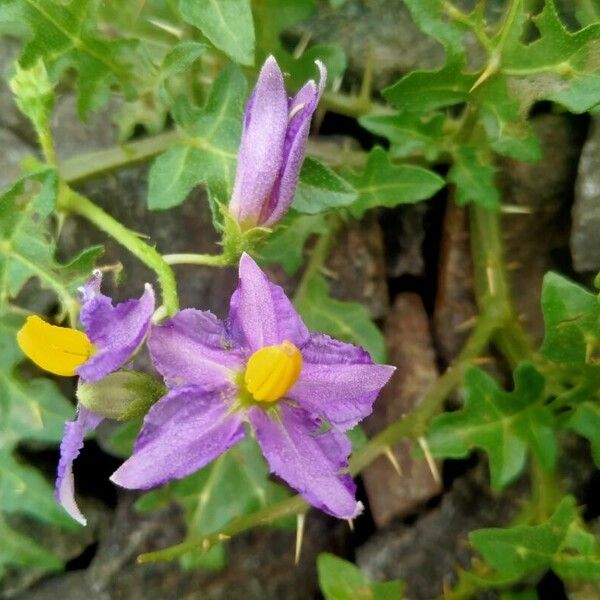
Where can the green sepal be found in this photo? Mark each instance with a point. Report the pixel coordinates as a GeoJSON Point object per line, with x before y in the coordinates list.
{"type": "Point", "coordinates": [236, 240]}
{"type": "Point", "coordinates": [121, 396]}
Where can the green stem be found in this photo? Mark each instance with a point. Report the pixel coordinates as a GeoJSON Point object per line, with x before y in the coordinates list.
{"type": "Point", "coordinates": [71, 202]}
{"type": "Point", "coordinates": [317, 259]}
{"type": "Point", "coordinates": [94, 164]}
{"type": "Point", "coordinates": [491, 285]}
{"type": "Point", "coordinates": [210, 260]}
{"type": "Point", "coordinates": [47, 145]}
{"type": "Point", "coordinates": [292, 506]}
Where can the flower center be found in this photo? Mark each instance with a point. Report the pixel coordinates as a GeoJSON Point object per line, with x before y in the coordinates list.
{"type": "Point", "coordinates": [59, 350]}
{"type": "Point", "coordinates": [272, 371]}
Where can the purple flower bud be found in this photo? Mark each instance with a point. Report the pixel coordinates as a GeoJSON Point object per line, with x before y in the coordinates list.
{"type": "Point", "coordinates": [272, 148]}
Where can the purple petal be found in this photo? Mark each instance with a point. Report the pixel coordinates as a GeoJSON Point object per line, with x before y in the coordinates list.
{"type": "Point", "coordinates": [115, 331]}
{"type": "Point", "coordinates": [261, 148]}
{"type": "Point", "coordinates": [182, 432]}
{"type": "Point", "coordinates": [309, 461]}
{"type": "Point", "coordinates": [194, 348]}
{"type": "Point", "coordinates": [70, 446]}
{"type": "Point", "coordinates": [338, 381]}
{"type": "Point", "coordinates": [302, 108]}
{"type": "Point", "coordinates": [261, 312]}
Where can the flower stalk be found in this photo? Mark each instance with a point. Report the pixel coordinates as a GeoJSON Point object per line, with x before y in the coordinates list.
{"type": "Point", "coordinates": [70, 201]}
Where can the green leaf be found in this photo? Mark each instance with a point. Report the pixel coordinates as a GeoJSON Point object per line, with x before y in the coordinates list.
{"type": "Point", "coordinates": [503, 424]}
{"type": "Point", "coordinates": [181, 57]}
{"type": "Point", "coordinates": [24, 490]}
{"type": "Point", "coordinates": [26, 246]}
{"type": "Point", "coordinates": [208, 153]}
{"type": "Point", "coordinates": [226, 23]}
{"type": "Point", "coordinates": [423, 91]}
{"type": "Point", "coordinates": [506, 128]}
{"type": "Point", "coordinates": [586, 422]}
{"type": "Point", "coordinates": [342, 580]}
{"type": "Point", "coordinates": [286, 244]}
{"type": "Point", "coordinates": [474, 179]}
{"type": "Point", "coordinates": [29, 410]}
{"type": "Point", "coordinates": [572, 322]}
{"type": "Point", "coordinates": [523, 595]}
{"type": "Point", "coordinates": [63, 36]}
{"type": "Point", "coordinates": [388, 185]}
{"type": "Point", "coordinates": [431, 18]}
{"type": "Point", "coordinates": [570, 62]}
{"type": "Point", "coordinates": [409, 134]}
{"type": "Point", "coordinates": [561, 544]}
{"type": "Point", "coordinates": [20, 550]}
{"type": "Point", "coordinates": [33, 409]}
{"type": "Point", "coordinates": [121, 439]}
{"type": "Point", "coordinates": [235, 484]}
{"type": "Point", "coordinates": [347, 321]}
{"type": "Point", "coordinates": [272, 18]}
{"type": "Point", "coordinates": [320, 189]}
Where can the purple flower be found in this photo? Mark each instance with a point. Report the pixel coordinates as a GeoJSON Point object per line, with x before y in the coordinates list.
{"type": "Point", "coordinates": [272, 148]}
{"type": "Point", "coordinates": [298, 390]}
{"type": "Point", "coordinates": [115, 332]}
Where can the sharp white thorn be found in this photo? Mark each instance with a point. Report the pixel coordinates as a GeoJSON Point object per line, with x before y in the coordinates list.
{"type": "Point", "coordinates": [300, 521]}
{"type": "Point", "coordinates": [430, 460]}
{"type": "Point", "coordinates": [392, 458]}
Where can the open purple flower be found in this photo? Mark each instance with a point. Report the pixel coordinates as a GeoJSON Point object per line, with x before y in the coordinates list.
{"type": "Point", "coordinates": [115, 333]}
{"type": "Point", "coordinates": [298, 390]}
{"type": "Point", "coordinates": [272, 148]}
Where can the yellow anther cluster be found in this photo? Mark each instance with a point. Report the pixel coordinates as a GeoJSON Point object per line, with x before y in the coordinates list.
{"type": "Point", "coordinates": [59, 350]}
{"type": "Point", "coordinates": [272, 371]}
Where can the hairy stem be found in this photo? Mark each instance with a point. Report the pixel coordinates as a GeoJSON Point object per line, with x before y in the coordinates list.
{"type": "Point", "coordinates": [209, 260]}
{"type": "Point", "coordinates": [317, 259]}
{"type": "Point", "coordinates": [100, 162]}
{"type": "Point", "coordinates": [72, 202]}
{"type": "Point", "coordinates": [491, 285]}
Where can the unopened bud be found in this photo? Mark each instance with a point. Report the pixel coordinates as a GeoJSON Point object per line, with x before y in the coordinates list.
{"type": "Point", "coordinates": [121, 396]}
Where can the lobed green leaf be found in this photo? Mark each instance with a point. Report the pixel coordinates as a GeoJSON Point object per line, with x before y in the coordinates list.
{"type": "Point", "coordinates": [387, 185]}
{"type": "Point", "coordinates": [226, 23]}
{"type": "Point", "coordinates": [208, 152]}
{"type": "Point", "coordinates": [561, 544]}
{"type": "Point", "coordinates": [342, 580]}
{"type": "Point", "coordinates": [506, 425]}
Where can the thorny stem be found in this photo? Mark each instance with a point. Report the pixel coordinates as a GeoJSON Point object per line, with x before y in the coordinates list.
{"type": "Point", "coordinates": [317, 259]}
{"type": "Point", "coordinates": [72, 202]}
{"type": "Point", "coordinates": [491, 285]}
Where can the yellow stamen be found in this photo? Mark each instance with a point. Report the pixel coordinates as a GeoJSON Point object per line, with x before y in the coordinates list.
{"type": "Point", "coordinates": [272, 371]}
{"type": "Point", "coordinates": [59, 350]}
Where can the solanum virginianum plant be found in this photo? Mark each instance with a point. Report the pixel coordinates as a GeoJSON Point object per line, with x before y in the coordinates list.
{"type": "Point", "coordinates": [280, 381]}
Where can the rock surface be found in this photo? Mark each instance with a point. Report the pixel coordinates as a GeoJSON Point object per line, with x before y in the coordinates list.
{"type": "Point", "coordinates": [426, 553]}
{"type": "Point", "coordinates": [261, 563]}
{"type": "Point", "coordinates": [537, 242]}
{"type": "Point", "coordinates": [585, 234]}
{"type": "Point", "coordinates": [392, 494]}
